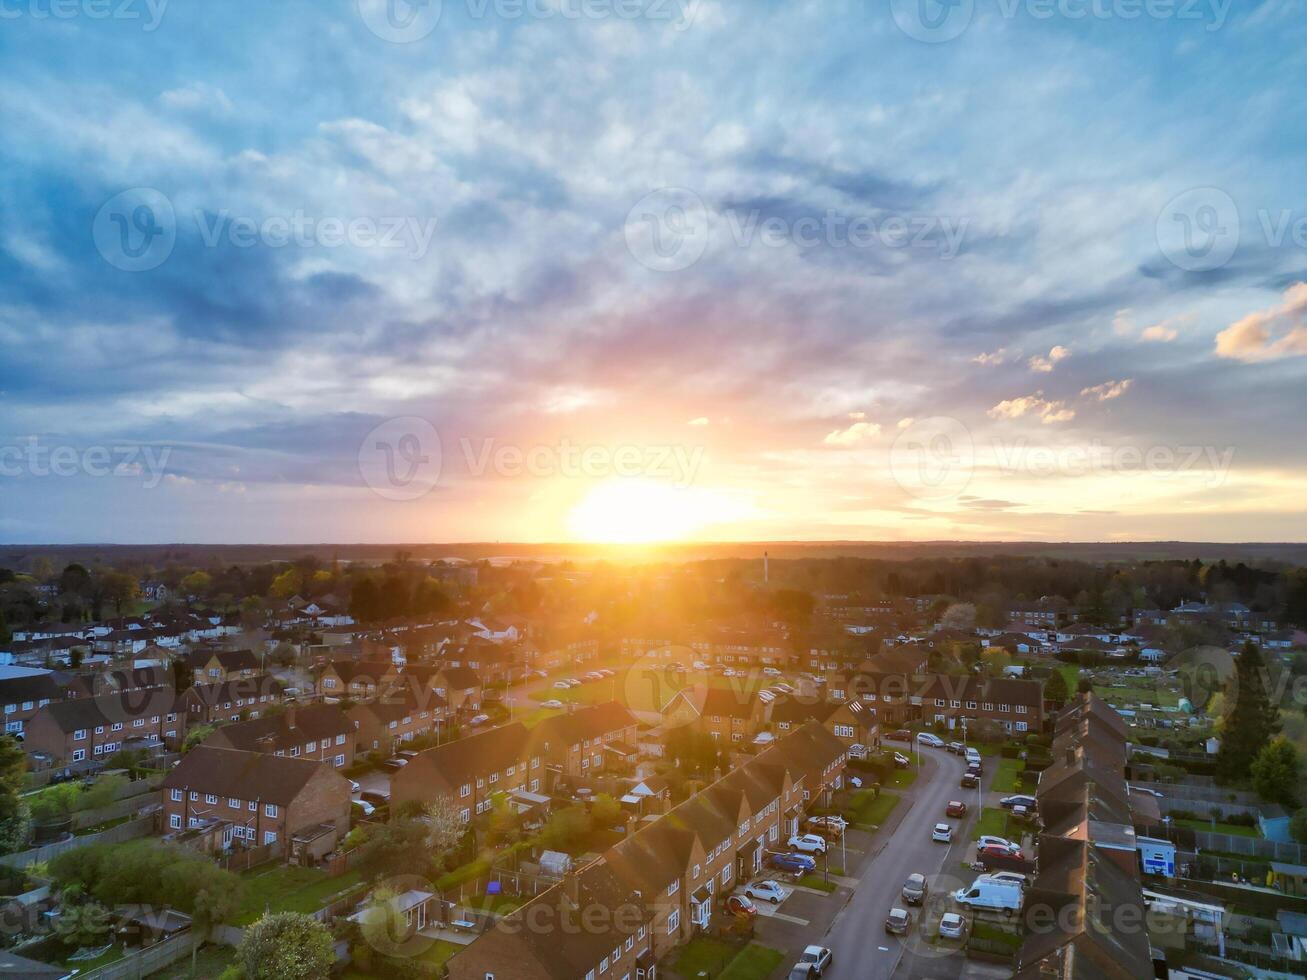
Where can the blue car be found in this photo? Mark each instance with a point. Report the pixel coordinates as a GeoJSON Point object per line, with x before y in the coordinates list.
{"type": "Point", "coordinates": [796, 863]}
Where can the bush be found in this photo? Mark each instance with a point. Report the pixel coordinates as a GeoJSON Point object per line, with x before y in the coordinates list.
{"type": "Point", "coordinates": [286, 946]}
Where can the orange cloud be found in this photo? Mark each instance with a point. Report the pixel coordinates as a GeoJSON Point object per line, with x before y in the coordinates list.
{"type": "Point", "coordinates": [1047, 411]}
{"type": "Point", "coordinates": [1267, 335]}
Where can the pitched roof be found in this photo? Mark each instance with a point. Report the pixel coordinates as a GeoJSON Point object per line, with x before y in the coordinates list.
{"type": "Point", "coordinates": [29, 687]}
{"type": "Point", "coordinates": [227, 659]}
{"type": "Point", "coordinates": [79, 713]}
{"type": "Point", "coordinates": [587, 723]}
{"type": "Point", "coordinates": [247, 775]}
{"type": "Point", "coordinates": [285, 729]}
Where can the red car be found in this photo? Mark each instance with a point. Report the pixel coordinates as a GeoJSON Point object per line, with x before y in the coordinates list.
{"type": "Point", "coordinates": [741, 905]}
{"type": "Point", "coordinates": [998, 851]}
{"type": "Point", "coordinates": [955, 808]}
{"type": "Point", "coordinates": [902, 735]}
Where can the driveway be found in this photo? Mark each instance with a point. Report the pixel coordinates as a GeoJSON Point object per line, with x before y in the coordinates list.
{"type": "Point", "coordinates": [858, 940]}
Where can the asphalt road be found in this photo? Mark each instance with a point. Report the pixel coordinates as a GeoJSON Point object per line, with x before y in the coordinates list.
{"type": "Point", "coordinates": [862, 949]}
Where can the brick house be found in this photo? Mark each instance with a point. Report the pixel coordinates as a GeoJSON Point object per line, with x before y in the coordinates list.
{"type": "Point", "coordinates": [238, 700]}
{"type": "Point", "coordinates": [850, 721]}
{"type": "Point", "coordinates": [1010, 705]}
{"type": "Point", "coordinates": [678, 869]}
{"type": "Point", "coordinates": [215, 666]}
{"type": "Point", "coordinates": [386, 724]}
{"type": "Point", "coordinates": [588, 741]}
{"type": "Point", "coordinates": [87, 729]}
{"type": "Point", "coordinates": [22, 697]}
{"type": "Point", "coordinates": [356, 679]}
{"type": "Point", "coordinates": [728, 715]}
{"type": "Point", "coordinates": [461, 687]}
{"type": "Point", "coordinates": [320, 732]}
{"type": "Point", "coordinates": [256, 798]}
{"type": "Point", "coordinates": [471, 770]}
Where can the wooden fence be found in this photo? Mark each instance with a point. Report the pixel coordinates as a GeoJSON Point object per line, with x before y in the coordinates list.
{"type": "Point", "coordinates": [131, 830]}
{"type": "Point", "coordinates": [145, 961]}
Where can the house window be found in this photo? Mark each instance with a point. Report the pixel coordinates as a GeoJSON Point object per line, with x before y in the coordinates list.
{"type": "Point", "coordinates": [269, 837]}
{"type": "Point", "coordinates": [340, 739]}
{"type": "Point", "coordinates": [176, 796]}
{"type": "Point", "coordinates": [673, 922]}
{"type": "Point", "coordinates": [211, 799]}
{"type": "Point", "coordinates": [194, 796]}
{"type": "Point", "coordinates": [234, 803]}
{"type": "Point", "coordinates": [79, 734]}
{"type": "Point", "coordinates": [117, 726]}
{"type": "Point", "coordinates": [175, 821]}
{"type": "Point", "coordinates": [465, 789]}
{"type": "Point", "coordinates": [674, 887]}
{"type": "Point", "coordinates": [254, 806]}
{"type": "Point", "coordinates": [971, 705]}
{"type": "Point", "coordinates": [340, 761]}
{"type": "Point", "coordinates": [270, 809]}
{"type": "Point", "coordinates": [79, 755]}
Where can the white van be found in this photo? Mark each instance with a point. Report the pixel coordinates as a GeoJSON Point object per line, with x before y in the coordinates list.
{"type": "Point", "coordinates": [990, 895]}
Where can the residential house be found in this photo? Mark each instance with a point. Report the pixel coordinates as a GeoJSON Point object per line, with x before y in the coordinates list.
{"type": "Point", "coordinates": [290, 805]}
{"type": "Point", "coordinates": [588, 741]}
{"type": "Point", "coordinates": [727, 714]}
{"type": "Point", "coordinates": [23, 695]}
{"type": "Point", "coordinates": [237, 700]}
{"type": "Point", "coordinates": [387, 724]}
{"type": "Point", "coordinates": [321, 732]}
{"type": "Point", "coordinates": [215, 666]}
{"type": "Point", "coordinates": [356, 679]}
{"type": "Point", "coordinates": [84, 730]}
{"type": "Point", "coordinates": [472, 770]}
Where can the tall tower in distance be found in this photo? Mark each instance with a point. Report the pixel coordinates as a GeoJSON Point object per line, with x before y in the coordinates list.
{"type": "Point", "coordinates": [765, 578]}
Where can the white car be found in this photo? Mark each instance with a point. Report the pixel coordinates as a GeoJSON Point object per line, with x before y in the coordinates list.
{"type": "Point", "coordinates": [562, 686]}
{"type": "Point", "coordinates": [817, 958]}
{"type": "Point", "coordinates": [573, 682]}
{"type": "Point", "coordinates": [952, 925]}
{"type": "Point", "coordinates": [771, 672]}
{"type": "Point", "coordinates": [700, 665]}
{"type": "Point", "coordinates": [365, 808]}
{"type": "Point", "coordinates": [1003, 842]}
{"type": "Point", "coordinates": [807, 844]}
{"type": "Point", "coordinates": [942, 833]}
{"type": "Point", "coordinates": [926, 738]}
{"type": "Point", "coordinates": [477, 720]}
{"type": "Point", "coordinates": [551, 703]}
{"type": "Point", "coordinates": [355, 787]}
{"type": "Point", "coordinates": [1007, 877]}
{"type": "Point", "coordinates": [767, 891]}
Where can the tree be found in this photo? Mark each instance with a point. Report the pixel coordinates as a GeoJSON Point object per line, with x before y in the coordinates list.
{"type": "Point", "coordinates": [196, 584]}
{"type": "Point", "coordinates": [1298, 826]}
{"type": "Point", "coordinates": [287, 584]}
{"type": "Point", "coordinates": [605, 812]}
{"type": "Point", "coordinates": [1056, 689]}
{"type": "Point", "coordinates": [959, 616]}
{"type": "Point", "coordinates": [1275, 772]}
{"type": "Point", "coordinates": [1250, 718]}
{"type": "Point", "coordinates": [286, 946]}
{"type": "Point", "coordinates": [445, 827]}
{"type": "Point", "coordinates": [399, 847]}
{"type": "Point", "coordinates": [119, 588]}
{"type": "Point", "coordinates": [13, 811]}
{"type": "Point", "coordinates": [564, 827]}
{"type": "Point", "coordinates": [197, 735]}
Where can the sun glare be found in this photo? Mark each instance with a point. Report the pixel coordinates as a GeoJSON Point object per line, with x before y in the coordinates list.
{"type": "Point", "coordinates": [644, 512]}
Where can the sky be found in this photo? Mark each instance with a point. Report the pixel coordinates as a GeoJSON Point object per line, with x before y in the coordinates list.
{"type": "Point", "coordinates": [550, 270]}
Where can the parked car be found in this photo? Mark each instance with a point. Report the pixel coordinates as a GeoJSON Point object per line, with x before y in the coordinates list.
{"type": "Point", "coordinates": [915, 889]}
{"type": "Point", "coordinates": [834, 824]}
{"type": "Point", "coordinates": [700, 665]}
{"type": "Point", "coordinates": [897, 922]}
{"type": "Point", "coordinates": [974, 769]}
{"type": "Point", "coordinates": [375, 797]}
{"type": "Point", "coordinates": [551, 703]}
{"type": "Point", "coordinates": [771, 672]}
{"type": "Point", "coordinates": [477, 720]}
{"type": "Point", "coordinates": [354, 787]}
{"type": "Point", "coordinates": [996, 851]}
{"type": "Point", "coordinates": [807, 844]}
{"type": "Point", "coordinates": [819, 957]}
{"type": "Point", "coordinates": [956, 748]}
{"type": "Point", "coordinates": [799, 864]}
{"type": "Point", "coordinates": [764, 739]}
{"type": "Point", "coordinates": [1009, 877]}
{"type": "Point", "coordinates": [952, 926]}
{"type": "Point", "coordinates": [902, 735]}
{"type": "Point", "coordinates": [987, 840]}
{"type": "Point", "coordinates": [973, 754]}
{"type": "Point", "coordinates": [1020, 799]}
{"type": "Point", "coordinates": [990, 895]}
{"type": "Point", "coordinates": [902, 761]}
{"type": "Point", "coordinates": [970, 780]}
{"type": "Point", "coordinates": [955, 808]}
{"type": "Point", "coordinates": [562, 685]}
{"type": "Point", "coordinates": [740, 905]}
{"type": "Point", "coordinates": [942, 834]}
{"type": "Point", "coordinates": [933, 741]}
{"type": "Point", "coordinates": [766, 890]}
{"type": "Point", "coordinates": [408, 754]}
{"type": "Point", "coordinates": [802, 971]}
{"type": "Point", "coordinates": [364, 807]}
{"type": "Point", "coordinates": [394, 764]}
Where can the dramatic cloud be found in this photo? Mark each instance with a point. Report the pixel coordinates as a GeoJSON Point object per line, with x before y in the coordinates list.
{"type": "Point", "coordinates": [1267, 335]}
{"type": "Point", "coordinates": [856, 433]}
{"type": "Point", "coordinates": [991, 359]}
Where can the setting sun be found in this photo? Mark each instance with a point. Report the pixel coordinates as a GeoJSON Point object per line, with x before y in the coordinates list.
{"type": "Point", "coordinates": [645, 511]}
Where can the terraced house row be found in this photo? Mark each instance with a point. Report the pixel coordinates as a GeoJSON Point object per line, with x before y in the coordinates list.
{"type": "Point", "coordinates": [616, 918]}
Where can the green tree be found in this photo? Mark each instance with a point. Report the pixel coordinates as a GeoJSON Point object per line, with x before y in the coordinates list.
{"type": "Point", "coordinates": [1250, 717]}
{"type": "Point", "coordinates": [13, 811]}
{"type": "Point", "coordinates": [1298, 826]}
{"type": "Point", "coordinates": [287, 584]}
{"type": "Point", "coordinates": [1056, 689]}
{"type": "Point", "coordinates": [399, 847]}
{"type": "Point", "coordinates": [1275, 772]}
{"type": "Point", "coordinates": [119, 588]}
{"type": "Point", "coordinates": [564, 828]}
{"type": "Point", "coordinates": [197, 735]}
{"type": "Point", "coordinates": [196, 584]}
{"type": "Point", "coordinates": [605, 812]}
{"type": "Point", "coordinates": [286, 946]}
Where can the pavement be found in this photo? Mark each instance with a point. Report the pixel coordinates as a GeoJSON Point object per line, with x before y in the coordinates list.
{"type": "Point", "coordinates": [851, 920]}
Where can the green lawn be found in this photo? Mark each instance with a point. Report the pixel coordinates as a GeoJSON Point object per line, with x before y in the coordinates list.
{"type": "Point", "coordinates": [993, 822]}
{"type": "Point", "coordinates": [536, 715]}
{"type": "Point", "coordinates": [288, 889]}
{"type": "Point", "coordinates": [818, 881]}
{"type": "Point", "coordinates": [1071, 674]}
{"type": "Point", "coordinates": [868, 810]}
{"type": "Point", "coordinates": [500, 904]}
{"type": "Point", "coordinates": [1005, 779]}
{"type": "Point", "coordinates": [903, 778]}
{"type": "Point", "coordinates": [726, 961]}
{"type": "Point", "coordinates": [210, 962]}
{"type": "Point", "coordinates": [1234, 830]}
